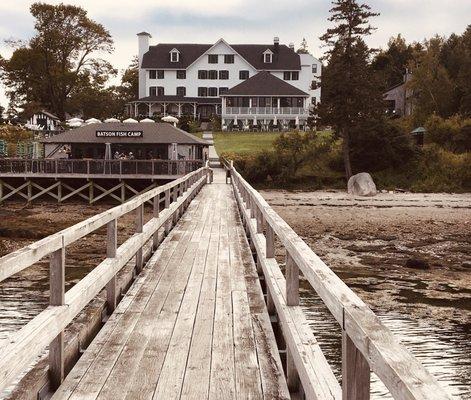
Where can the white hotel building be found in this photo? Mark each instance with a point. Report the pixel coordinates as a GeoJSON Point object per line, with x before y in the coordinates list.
{"type": "Point", "coordinates": [245, 84]}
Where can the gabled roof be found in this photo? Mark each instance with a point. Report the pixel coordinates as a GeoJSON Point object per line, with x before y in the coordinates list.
{"type": "Point", "coordinates": [158, 56]}
{"type": "Point", "coordinates": [265, 84]}
{"type": "Point", "coordinates": [153, 133]}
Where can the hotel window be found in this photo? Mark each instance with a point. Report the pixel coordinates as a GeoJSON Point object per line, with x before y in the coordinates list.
{"type": "Point", "coordinates": [202, 92]}
{"type": "Point", "coordinates": [202, 74]}
{"type": "Point", "coordinates": [160, 74]}
{"type": "Point", "coordinates": [160, 91]}
{"type": "Point", "coordinates": [174, 56]}
{"type": "Point", "coordinates": [223, 74]}
{"type": "Point", "coordinates": [153, 91]}
{"type": "Point", "coordinates": [212, 92]}
{"type": "Point", "coordinates": [212, 74]}
{"type": "Point", "coordinates": [243, 74]}
{"type": "Point", "coordinates": [212, 58]}
{"type": "Point", "coordinates": [181, 74]}
{"type": "Point", "coordinates": [229, 59]}
{"type": "Point", "coordinates": [181, 91]}
{"type": "Point", "coordinates": [152, 74]}
{"type": "Point", "coordinates": [314, 68]}
{"type": "Point", "coordinates": [223, 90]}
{"type": "Point", "coordinates": [295, 76]}
{"type": "Point", "coordinates": [287, 76]}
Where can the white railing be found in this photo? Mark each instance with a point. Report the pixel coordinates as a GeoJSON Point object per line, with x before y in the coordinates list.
{"type": "Point", "coordinates": [265, 111]}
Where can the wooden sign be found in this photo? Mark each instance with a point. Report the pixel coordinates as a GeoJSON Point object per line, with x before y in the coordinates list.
{"type": "Point", "coordinates": [118, 134]}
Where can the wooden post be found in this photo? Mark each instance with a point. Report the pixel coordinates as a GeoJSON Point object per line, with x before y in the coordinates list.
{"type": "Point", "coordinates": [139, 227]}
{"type": "Point", "coordinates": [292, 282]}
{"type": "Point", "coordinates": [90, 192]}
{"type": "Point", "coordinates": [156, 211]}
{"type": "Point", "coordinates": [259, 216]}
{"type": "Point", "coordinates": [59, 192]}
{"type": "Point", "coordinates": [270, 242]}
{"type": "Point", "coordinates": [57, 296]}
{"type": "Point", "coordinates": [355, 372]}
{"type": "Point", "coordinates": [111, 245]}
{"type": "Point", "coordinates": [292, 377]}
{"type": "Point", "coordinates": [167, 204]}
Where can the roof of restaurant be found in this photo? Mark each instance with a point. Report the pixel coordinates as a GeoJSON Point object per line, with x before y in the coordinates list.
{"type": "Point", "coordinates": [265, 84]}
{"type": "Point", "coordinates": [152, 133]}
{"type": "Point", "coordinates": [158, 56]}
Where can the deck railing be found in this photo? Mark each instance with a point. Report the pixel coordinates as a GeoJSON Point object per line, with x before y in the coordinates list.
{"type": "Point", "coordinates": [98, 167]}
{"type": "Point", "coordinates": [265, 111]}
{"type": "Point", "coordinates": [21, 348]}
{"type": "Point", "coordinates": [367, 345]}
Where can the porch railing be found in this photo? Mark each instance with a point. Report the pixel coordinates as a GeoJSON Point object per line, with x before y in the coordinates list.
{"type": "Point", "coordinates": [265, 111]}
{"type": "Point", "coordinates": [98, 167]}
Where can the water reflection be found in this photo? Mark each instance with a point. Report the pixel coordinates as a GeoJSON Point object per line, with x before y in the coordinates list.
{"type": "Point", "coordinates": [444, 351]}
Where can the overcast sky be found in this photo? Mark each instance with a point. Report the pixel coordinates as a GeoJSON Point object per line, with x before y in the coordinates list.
{"type": "Point", "coordinates": [238, 21]}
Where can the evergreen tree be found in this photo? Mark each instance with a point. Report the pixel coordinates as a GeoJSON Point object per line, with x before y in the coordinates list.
{"type": "Point", "coordinates": [350, 93]}
{"type": "Point", "coordinates": [303, 48]}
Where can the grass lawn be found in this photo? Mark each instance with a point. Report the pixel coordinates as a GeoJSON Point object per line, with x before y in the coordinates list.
{"type": "Point", "coordinates": [243, 143]}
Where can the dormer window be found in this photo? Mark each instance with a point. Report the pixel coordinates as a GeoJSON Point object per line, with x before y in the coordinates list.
{"type": "Point", "coordinates": [174, 56]}
{"type": "Point", "coordinates": [267, 56]}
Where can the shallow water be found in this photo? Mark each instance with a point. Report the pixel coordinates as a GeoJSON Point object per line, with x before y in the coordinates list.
{"type": "Point", "coordinates": [444, 351]}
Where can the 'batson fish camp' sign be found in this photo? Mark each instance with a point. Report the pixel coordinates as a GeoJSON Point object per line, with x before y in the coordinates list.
{"type": "Point", "coordinates": [119, 134]}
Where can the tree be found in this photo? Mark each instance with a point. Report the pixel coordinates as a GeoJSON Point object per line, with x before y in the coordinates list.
{"type": "Point", "coordinates": [129, 88]}
{"type": "Point", "coordinates": [351, 94]}
{"type": "Point", "coordinates": [303, 48]}
{"type": "Point", "coordinates": [2, 110]}
{"type": "Point", "coordinates": [57, 63]}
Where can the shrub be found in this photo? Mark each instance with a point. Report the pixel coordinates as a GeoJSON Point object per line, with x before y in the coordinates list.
{"type": "Point", "coordinates": [453, 134]}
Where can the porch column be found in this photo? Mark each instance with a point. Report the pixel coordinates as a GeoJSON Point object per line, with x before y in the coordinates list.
{"type": "Point", "coordinates": [250, 102]}
{"type": "Point", "coordinates": [150, 109]}
{"type": "Point", "coordinates": [194, 110]}
{"type": "Point", "coordinates": [278, 106]}
{"type": "Point", "coordinates": [135, 109]}
{"type": "Point", "coordinates": [165, 109]}
{"type": "Point", "coordinates": [223, 105]}
{"type": "Point", "coordinates": [179, 110]}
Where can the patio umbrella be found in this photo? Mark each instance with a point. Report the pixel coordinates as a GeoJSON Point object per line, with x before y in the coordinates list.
{"type": "Point", "coordinates": [147, 120]}
{"type": "Point", "coordinates": [170, 118]}
{"type": "Point", "coordinates": [130, 121]}
{"type": "Point", "coordinates": [108, 120]}
{"type": "Point", "coordinates": [108, 155]}
{"type": "Point", "coordinates": [92, 121]}
{"type": "Point", "coordinates": [75, 124]}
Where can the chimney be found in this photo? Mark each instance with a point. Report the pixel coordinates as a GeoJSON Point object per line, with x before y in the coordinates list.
{"type": "Point", "coordinates": [276, 43]}
{"type": "Point", "coordinates": [291, 46]}
{"type": "Point", "coordinates": [143, 47]}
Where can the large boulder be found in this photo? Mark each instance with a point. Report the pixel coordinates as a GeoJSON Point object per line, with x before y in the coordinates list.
{"type": "Point", "coordinates": [362, 185]}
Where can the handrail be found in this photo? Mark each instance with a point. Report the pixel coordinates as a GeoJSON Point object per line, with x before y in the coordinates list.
{"type": "Point", "coordinates": [22, 347]}
{"type": "Point", "coordinates": [366, 343]}
{"type": "Point", "coordinates": [21, 166]}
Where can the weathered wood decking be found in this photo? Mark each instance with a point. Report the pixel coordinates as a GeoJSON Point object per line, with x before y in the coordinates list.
{"type": "Point", "coordinates": [194, 324]}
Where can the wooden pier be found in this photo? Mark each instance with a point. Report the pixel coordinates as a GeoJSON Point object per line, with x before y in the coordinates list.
{"type": "Point", "coordinates": [210, 315]}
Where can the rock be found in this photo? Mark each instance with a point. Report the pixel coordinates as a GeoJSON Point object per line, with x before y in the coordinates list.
{"type": "Point", "coordinates": [417, 263]}
{"type": "Point", "coordinates": [466, 264]}
{"type": "Point", "coordinates": [362, 185]}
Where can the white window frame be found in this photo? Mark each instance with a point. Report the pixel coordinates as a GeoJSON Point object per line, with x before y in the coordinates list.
{"type": "Point", "coordinates": [172, 53]}
{"type": "Point", "coordinates": [266, 53]}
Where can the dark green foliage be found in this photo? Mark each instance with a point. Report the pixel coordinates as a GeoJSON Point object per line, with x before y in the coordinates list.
{"type": "Point", "coordinates": [453, 134]}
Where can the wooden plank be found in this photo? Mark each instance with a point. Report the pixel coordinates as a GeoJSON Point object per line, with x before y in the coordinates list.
{"type": "Point", "coordinates": [292, 281]}
{"type": "Point", "coordinates": [139, 227]}
{"type": "Point", "coordinates": [355, 372]}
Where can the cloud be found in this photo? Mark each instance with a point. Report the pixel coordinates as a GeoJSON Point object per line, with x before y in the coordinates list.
{"type": "Point", "coordinates": [238, 21]}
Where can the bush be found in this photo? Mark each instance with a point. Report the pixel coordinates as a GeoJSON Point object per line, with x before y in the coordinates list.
{"type": "Point", "coordinates": [453, 134]}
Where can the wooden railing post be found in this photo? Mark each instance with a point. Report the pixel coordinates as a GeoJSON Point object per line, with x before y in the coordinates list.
{"type": "Point", "coordinates": [111, 245]}
{"type": "Point", "coordinates": [139, 227]}
{"type": "Point", "coordinates": [57, 297]}
{"type": "Point", "coordinates": [270, 242]}
{"type": "Point", "coordinates": [292, 281]}
{"type": "Point", "coordinates": [259, 216]}
{"type": "Point", "coordinates": [155, 214]}
{"type": "Point", "coordinates": [355, 371]}
{"type": "Point", "coordinates": [167, 205]}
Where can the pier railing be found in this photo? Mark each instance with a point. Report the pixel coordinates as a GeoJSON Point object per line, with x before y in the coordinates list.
{"type": "Point", "coordinates": [21, 348]}
{"type": "Point", "coordinates": [367, 345]}
{"type": "Point", "coordinates": [19, 166]}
